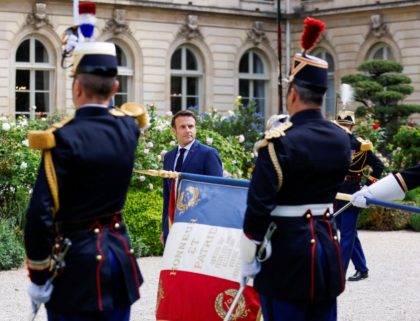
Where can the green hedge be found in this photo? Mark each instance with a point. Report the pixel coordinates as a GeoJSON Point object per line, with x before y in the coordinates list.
{"type": "Point", "coordinates": [12, 253]}
{"type": "Point", "coordinates": [143, 216]}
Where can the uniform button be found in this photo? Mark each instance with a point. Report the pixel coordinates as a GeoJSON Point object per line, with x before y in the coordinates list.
{"type": "Point", "coordinates": [328, 215]}
{"type": "Point", "coordinates": [99, 257]}
{"type": "Point", "coordinates": [335, 237]}
{"type": "Point", "coordinates": [117, 226]}
{"type": "Point", "coordinates": [132, 251]}
{"type": "Point", "coordinates": [57, 246]}
{"type": "Point", "coordinates": [312, 241]}
{"type": "Point", "coordinates": [96, 231]}
{"type": "Point", "coordinates": [308, 215]}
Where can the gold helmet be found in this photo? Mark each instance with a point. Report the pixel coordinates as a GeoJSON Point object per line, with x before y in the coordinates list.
{"type": "Point", "coordinates": [346, 117]}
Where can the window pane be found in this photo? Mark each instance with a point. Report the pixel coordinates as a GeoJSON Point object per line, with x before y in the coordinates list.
{"type": "Point", "coordinates": [191, 61]}
{"type": "Point", "coordinates": [243, 65]}
{"type": "Point", "coordinates": [41, 54]}
{"type": "Point", "coordinates": [121, 57]}
{"type": "Point", "coordinates": [243, 87]}
{"type": "Point", "coordinates": [176, 60]}
{"type": "Point", "coordinates": [22, 80]}
{"type": "Point", "coordinates": [42, 80]}
{"type": "Point", "coordinates": [175, 104]}
{"type": "Point", "coordinates": [42, 102]}
{"type": "Point", "coordinates": [22, 101]}
{"type": "Point", "coordinates": [176, 86]}
{"type": "Point", "coordinates": [330, 99]}
{"type": "Point", "coordinates": [259, 104]}
{"type": "Point", "coordinates": [22, 53]}
{"type": "Point", "coordinates": [192, 86]}
{"type": "Point", "coordinates": [120, 99]}
{"type": "Point", "coordinates": [192, 102]}
{"type": "Point", "coordinates": [258, 65]}
{"type": "Point", "coordinates": [259, 89]}
{"type": "Point", "coordinates": [123, 80]}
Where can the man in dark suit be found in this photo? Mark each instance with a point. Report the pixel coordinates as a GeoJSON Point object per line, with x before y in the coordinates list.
{"type": "Point", "coordinates": [79, 195]}
{"type": "Point", "coordinates": [190, 156]}
{"type": "Point", "coordinates": [363, 159]}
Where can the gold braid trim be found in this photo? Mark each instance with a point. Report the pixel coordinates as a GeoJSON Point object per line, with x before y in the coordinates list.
{"type": "Point", "coordinates": [276, 164]}
{"type": "Point", "coordinates": [51, 179]}
{"type": "Point", "coordinates": [39, 265]}
{"type": "Point", "coordinates": [275, 132]}
{"type": "Point", "coordinates": [160, 173]}
{"type": "Point", "coordinates": [400, 179]}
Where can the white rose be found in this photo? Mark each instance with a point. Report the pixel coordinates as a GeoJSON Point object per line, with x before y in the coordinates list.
{"type": "Point", "coordinates": [25, 142]}
{"type": "Point", "coordinates": [23, 165]}
{"type": "Point", "coordinates": [172, 143]}
{"type": "Point", "coordinates": [149, 144]}
{"type": "Point", "coordinates": [6, 126]}
{"type": "Point", "coordinates": [150, 186]}
{"type": "Point", "coordinates": [209, 140]}
{"type": "Point", "coordinates": [241, 138]}
{"type": "Point", "coordinates": [142, 178]}
{"type": "Point", "coordinates": [146, 151]}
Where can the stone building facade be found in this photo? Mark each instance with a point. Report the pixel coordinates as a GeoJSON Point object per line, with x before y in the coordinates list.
{"type": "Point", "coordinates": [199, 53]}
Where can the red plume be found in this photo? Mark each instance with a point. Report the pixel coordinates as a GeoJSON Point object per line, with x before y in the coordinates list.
{"type": "Point", "coordinates": [311, 31]}
{"type": "Point", "coordinates": [87, 8]}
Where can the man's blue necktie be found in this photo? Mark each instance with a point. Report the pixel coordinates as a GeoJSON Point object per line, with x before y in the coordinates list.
{"type": "Point", "coordinates": [180, 160]}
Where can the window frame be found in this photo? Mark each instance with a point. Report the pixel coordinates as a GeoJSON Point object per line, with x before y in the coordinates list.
{"type": "Point", "coordinates": [32, 66]}
{"type": "Point", "coordinates": [251, 77]}
{"type": "Point", "coordinates": [184, 74]}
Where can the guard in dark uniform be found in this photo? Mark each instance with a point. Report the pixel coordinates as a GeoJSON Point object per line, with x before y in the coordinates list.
{"type": "Point", "coordinates": [79, 195]}
{"type": "Point", "coordinates": [300, 166]}
{"type": "Point", "coordinates": [363, 160]}
{"type": "Point", "coordinates": [390, 188]}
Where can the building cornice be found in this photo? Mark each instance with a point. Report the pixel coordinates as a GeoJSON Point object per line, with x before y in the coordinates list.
{"type": "Point", "coordinates": [192, 8]}
{"type": "Point", "coordinates": [350, 9]}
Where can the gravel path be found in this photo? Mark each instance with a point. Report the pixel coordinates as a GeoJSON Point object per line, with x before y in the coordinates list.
{"type": "Point", "coordinates": [391, 293]}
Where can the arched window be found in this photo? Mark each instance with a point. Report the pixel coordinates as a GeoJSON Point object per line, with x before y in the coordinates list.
{"type": "Point", "coordinates": [381, 51]}
{"type": "Point", "coordinates": [34, 78]}
{"type": "Point", "coordinates": [125, 75]}
{"type": "Point", "coordinates": [186, 79]}
{"type": "Point", "coordinates": [329, 106]}
{"type": "Point", "coordinates": [253, 78]}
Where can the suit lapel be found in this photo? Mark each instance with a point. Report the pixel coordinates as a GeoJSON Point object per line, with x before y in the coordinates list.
{"type": "Point", "coordinates": [190, 155]}
{"type": "Point", "coordinates": [170, 161]}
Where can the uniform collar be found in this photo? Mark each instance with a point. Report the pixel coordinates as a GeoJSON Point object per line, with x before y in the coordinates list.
{"type": "Point", "coordinates": [92, 110]}
{"type": "Point", "coordinates": [305, 115]}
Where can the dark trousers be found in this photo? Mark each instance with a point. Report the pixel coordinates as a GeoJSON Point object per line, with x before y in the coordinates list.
{"type": "Point", "coordinates": [351, 248]}
{"type": "Point", "coordinates": [286, 310]}
{"type": "Point", "coordinates": [120, 313]}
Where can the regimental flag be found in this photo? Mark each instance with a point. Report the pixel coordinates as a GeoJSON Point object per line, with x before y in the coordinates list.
{"type": "Point", "coordinates": [201, 263]}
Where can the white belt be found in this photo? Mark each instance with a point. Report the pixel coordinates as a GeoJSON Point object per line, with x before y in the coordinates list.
{"type": "Point", "coordinates": [300, 210]}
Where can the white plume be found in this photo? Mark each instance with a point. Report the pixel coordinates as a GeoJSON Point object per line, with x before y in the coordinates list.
{"type": "Point", "coordinates": [346, 94]}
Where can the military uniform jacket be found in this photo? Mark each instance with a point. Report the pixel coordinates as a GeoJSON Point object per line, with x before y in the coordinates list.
{"type": "Point", "coordinates": [362, 157]}
{"type": "Point", "coordinates": [409, 178]}
{"type": "Point", "coordinates": [93, 159]}
{"type": "Point", "coordinates": [305, 264]}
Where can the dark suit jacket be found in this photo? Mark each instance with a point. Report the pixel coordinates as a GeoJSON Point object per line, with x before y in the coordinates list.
{"type": "Point", "coordinates": [201, 159]}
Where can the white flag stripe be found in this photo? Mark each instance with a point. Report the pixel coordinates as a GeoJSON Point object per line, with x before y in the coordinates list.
{"type": "Point", "coordinates": [204, 249]}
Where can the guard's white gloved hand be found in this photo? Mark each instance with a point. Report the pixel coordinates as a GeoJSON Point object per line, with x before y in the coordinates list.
{"type": "Point", "coordinates": [359, 198]}
{"type": "Point", "coordinates": [40, 294]}
{"type": "Point", "coordinates": [249, 264]}
{"type": "Point", "coordinates": [71, 42]}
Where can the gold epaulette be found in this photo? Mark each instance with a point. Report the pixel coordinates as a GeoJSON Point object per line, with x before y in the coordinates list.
{"type": "Point", "coordinates": [342, 127]}
{"type": "Point", "coordinates": [275, 132]}
{"type": "Point", "coordinates": [137, 111]}
{"type": "Point", "coordinates": [44, 139]}
{"type": "Point", "coordinates": [365, 144]}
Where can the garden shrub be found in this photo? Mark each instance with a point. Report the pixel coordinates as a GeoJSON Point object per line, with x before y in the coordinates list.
{"type": "Point", "coordinates": [414, 222]}
{"type": "Point", "coordinates": [383, 219]}
{"type": "Point", "coordinates": [143, 217]}
{"type": "Point", "coordinates": [12, 253]}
